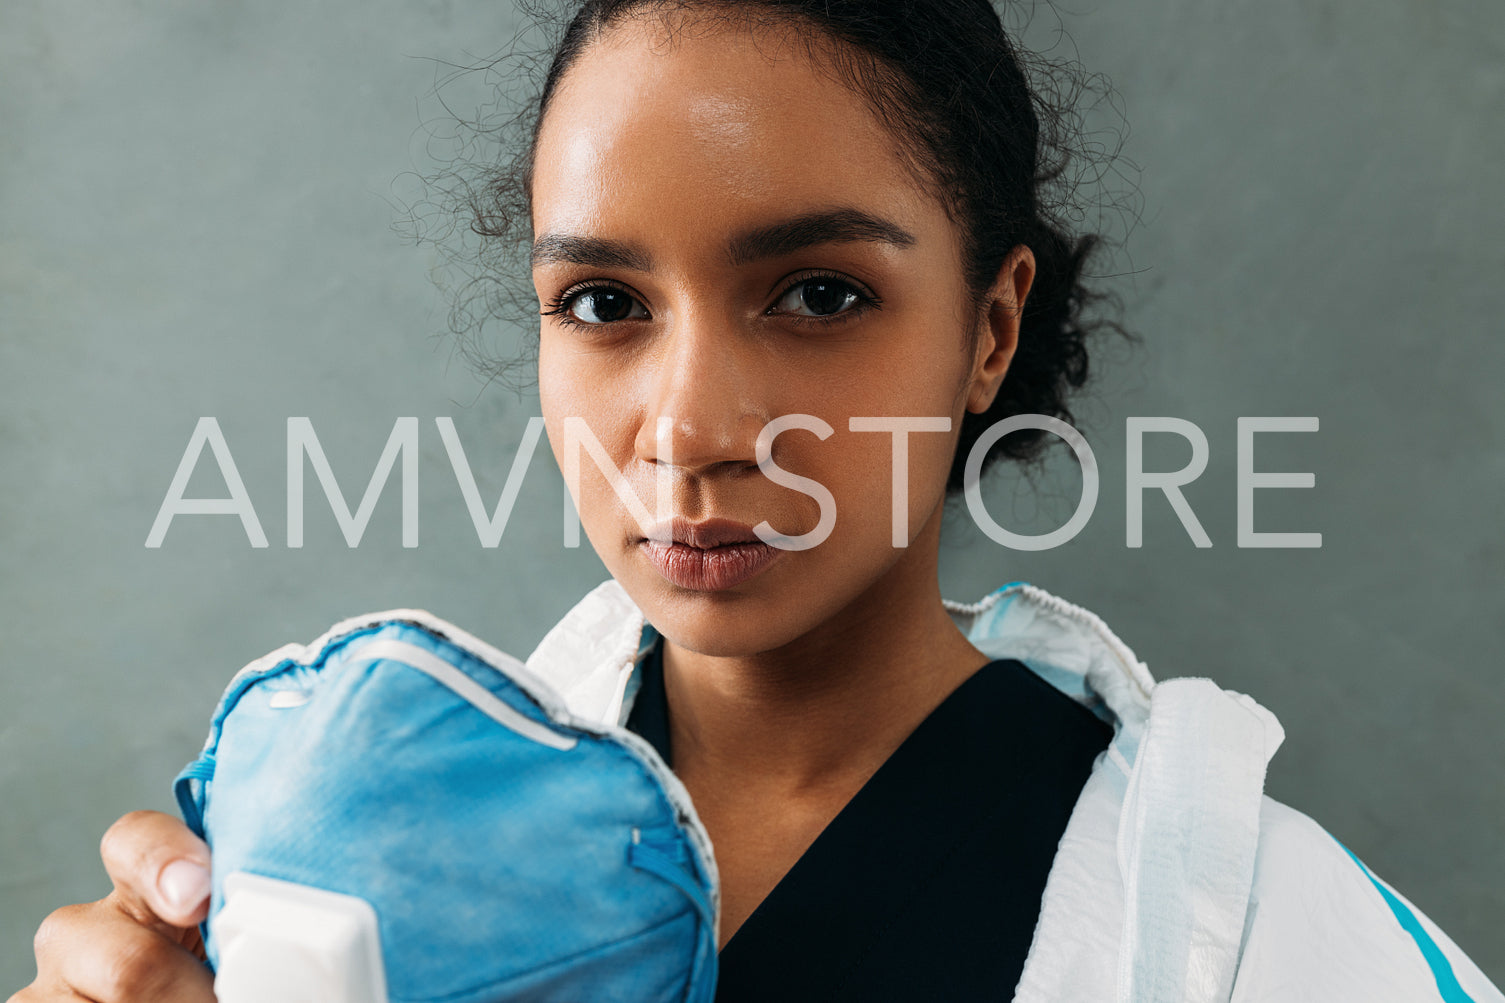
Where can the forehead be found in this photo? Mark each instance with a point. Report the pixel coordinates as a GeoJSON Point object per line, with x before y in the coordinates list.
{"type": "Point", "coordinates": [721, 122]}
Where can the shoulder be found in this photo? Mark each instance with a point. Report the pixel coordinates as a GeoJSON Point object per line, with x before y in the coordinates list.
{"type": "Point", "coordinates": [1322, 926]}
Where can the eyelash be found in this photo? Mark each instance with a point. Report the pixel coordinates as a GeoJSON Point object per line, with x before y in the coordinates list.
{"type": "Point", "coordinates": [559, 306]}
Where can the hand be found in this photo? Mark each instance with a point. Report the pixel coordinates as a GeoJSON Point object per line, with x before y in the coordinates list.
{"type": "Point", "coordinates": [141, 942]}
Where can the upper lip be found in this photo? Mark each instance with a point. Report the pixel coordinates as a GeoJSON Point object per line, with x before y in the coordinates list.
{"type": "Point", "coordinates": [707, 533]}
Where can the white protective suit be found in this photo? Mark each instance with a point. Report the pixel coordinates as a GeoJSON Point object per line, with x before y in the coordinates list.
{"type": "Point", "coordinates": [1176, 878]}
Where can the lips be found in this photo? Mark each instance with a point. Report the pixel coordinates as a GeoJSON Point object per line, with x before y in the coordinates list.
{"type": "Point", "coordinates": [703, 535]}
{"type": "Point", "coordinates": [708, 556]}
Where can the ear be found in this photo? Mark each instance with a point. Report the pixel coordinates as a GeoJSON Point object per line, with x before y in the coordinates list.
{"type": "Point", "coordinates": [1002, 308]}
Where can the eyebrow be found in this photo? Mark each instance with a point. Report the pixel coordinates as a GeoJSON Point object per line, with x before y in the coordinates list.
{"type": "Point", "coordinates": [839, 225]}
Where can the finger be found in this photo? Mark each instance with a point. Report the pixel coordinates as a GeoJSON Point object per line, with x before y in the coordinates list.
{"type": "Point", "coordinates": [99, 954]}
{"type": "Point", "coordinates": [33, 994]}
{"type": "Point", "coordinates": [160, 869]}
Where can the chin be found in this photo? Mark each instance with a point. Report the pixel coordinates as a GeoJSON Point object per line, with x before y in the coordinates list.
{"type": "Point", "coordinates": [719, 624]}
{"type": "Point", "coordinates": [713, 643]}
{"type": "Point", "coordinates": [722, 624]}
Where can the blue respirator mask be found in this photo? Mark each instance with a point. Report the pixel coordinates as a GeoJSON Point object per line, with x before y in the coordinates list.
{"type": "Point", "coordinates": [399, 813]}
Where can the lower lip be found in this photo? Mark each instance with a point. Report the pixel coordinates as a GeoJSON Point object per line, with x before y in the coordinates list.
{"type": "Point", "coordinates": [710, 569]}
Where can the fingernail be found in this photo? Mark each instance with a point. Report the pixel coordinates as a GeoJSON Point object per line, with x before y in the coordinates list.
{"type": "Point", "coordinates": [184, 884]}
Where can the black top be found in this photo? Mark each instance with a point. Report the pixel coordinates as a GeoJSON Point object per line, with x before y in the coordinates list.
{"type": "Point", "coordinates": [927, 885]}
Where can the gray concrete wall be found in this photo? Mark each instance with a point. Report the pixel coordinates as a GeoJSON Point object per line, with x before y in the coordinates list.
{"type": "Point", "coordinates": [193, 221]}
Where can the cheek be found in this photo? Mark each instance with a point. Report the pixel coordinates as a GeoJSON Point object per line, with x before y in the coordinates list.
{"type": "Point", "coordinates": [930, 456]}
{"type": "Point", "coordinates": [860, 470]}
{"type": "Point", "coordinates": [862, 465]}
{"type": "Point", "coordinates": [577, 405]}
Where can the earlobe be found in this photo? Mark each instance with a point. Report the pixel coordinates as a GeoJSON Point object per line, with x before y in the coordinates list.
{"type": "Point", "coordinates": [1000, 320]}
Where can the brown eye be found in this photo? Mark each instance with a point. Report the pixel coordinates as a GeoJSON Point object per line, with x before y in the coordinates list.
{"type": "Point", "coordinates": [603, 305]}
{"type": "Point", "coordinates": [821, 297]}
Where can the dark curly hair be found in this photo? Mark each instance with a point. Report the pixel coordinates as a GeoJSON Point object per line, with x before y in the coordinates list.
{"type": "Point", "coordinates": [944, 76]}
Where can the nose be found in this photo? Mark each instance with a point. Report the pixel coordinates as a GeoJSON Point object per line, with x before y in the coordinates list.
{"type": "Point", "coordinates": [702, 408]}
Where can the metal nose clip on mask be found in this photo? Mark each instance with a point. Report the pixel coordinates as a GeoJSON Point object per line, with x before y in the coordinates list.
{"type": "Point", "coordinates": [399, 812]}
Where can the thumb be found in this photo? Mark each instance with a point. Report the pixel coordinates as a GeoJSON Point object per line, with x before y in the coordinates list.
{"type": "Point", "coordinates": [160, 870]}
{"type": "Point", "coordinates": [183, 891]}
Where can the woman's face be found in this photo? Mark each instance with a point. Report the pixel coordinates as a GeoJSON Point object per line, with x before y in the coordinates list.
{"type": "Point", "coordinates": [727, 240]}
